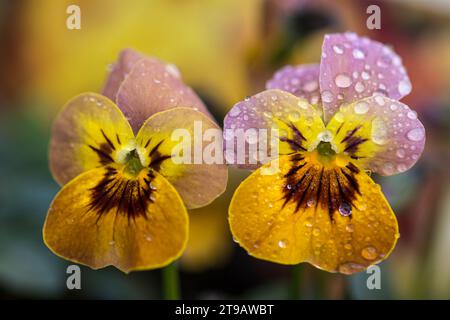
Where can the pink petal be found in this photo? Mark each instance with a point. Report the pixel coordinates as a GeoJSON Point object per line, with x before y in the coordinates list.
{"type": "Point", "coordinates": [387, 136]}
{"type": "Point", "coordinates": [153, 86]}
{"type": "Point", "coordinates": [302, 81]}
{"type": "Point", "coordinates": [353, 67]}
{"type": "Point", "coordinates": [248, 128]}
{"type": "Point", "coordinates": [118, 72]}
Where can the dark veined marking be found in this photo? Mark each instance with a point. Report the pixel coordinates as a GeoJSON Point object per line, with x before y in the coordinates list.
{"type": "Point", "coordinates": [297, 142]}
{"type": "Point", "coordinates": [156, 157]}
{"type": "Point", "coordinates": [334, 189]}
{"type": "Point", "coordinates": [352, 141]}
{"type": "Point", "coordinates": [123, 196]}
{"type": "Point", "coordinates": [105, 149]}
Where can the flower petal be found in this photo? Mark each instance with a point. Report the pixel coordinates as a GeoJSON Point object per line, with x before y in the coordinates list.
{"type": "Point", "coordinates": [380, 134]}
{"type": "Point", "coordinates": [302, 81]}
{"type": "Point", "coordinates": [89, 132]}
{"type": "Point", "coordinates": [127, 59]}
{"type": "Point", "coordinates": [335, 218]}
{"type": "Point", "coordinates": [164, 138]}
{"type": "Point", "coordinates": [270, 117]}
{"type": "Point", "coordinates": [154, 86]}
{"type": "Point", "coordinates": [355, 67]}
{"type": "Point", "coordinates": [101, 219]}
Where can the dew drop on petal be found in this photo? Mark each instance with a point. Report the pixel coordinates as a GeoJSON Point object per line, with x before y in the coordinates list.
{"type": "Point", "coordinates": [325, 136]}
{"type": "Point", "coordinates": [338, 49]}
{"type": "Point", "coordinates": [345, 209]}
{"type": "Point", "coordinates": [234, 112]}
{"type": "Point", "coordinates": [358, 54]}
{"type": "Point", "coordinates": [412, 115]}
{"type": "Point", "coordinates": [350, 268]}
{"type": "Point", "coordinates": [282, 243]}
{"type": "Point", "coordinates": [350, 228]}
{"type": "Point", "coordinates": [327, 96]}
{"type": "Point", "coordinates": [361, 107]}
{"type": "Point", "coordinates": [416, 134]}
{"type": "Point", "coordinates": [303, 104]}
{"type": "Point", "coordinates": [343, 81]}
{"type": "Point", "coordinates": [365, 75]}
{"type": "Point", "coordinates": [311, 86]}
{"type": "Point", "coordinates": [401, 153]}
{"type": "Point", "coordinates": [316, 232]}
{"type": "Point", "coordinates": [404, 87]}
{"type": "Point", "coordinates": [369, 253]}
{"type": "Point", "coordinates": [359, 87]}
{"type": "Point", "coordinates": [379, 132]}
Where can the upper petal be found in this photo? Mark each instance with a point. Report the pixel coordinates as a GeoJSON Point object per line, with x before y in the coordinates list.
{"type": "Point", "coordinates": [380, 134]}
{"type": "Point", "coordinates": [302, 81]}
{"type": "Point", "coordinates": [118, 72]}
{"type": "Point", "coordinates": [335, 218]}
{"type": "Point", "coordinates": [154, 86]}
{"type": "Point", "coordinates": [255, 126]}
{"type": "Point", "coordinates": [163, 140]}
{"type": "Point", "coordinates": [353, 67]}
{"type": "Point", "coordinates": [89, 132]}
{"type": "Point", "coordinates": [102, 218]}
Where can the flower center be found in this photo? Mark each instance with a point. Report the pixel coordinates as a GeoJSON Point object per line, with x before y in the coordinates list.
{"type": "Point", "coordinates": [133, 164]}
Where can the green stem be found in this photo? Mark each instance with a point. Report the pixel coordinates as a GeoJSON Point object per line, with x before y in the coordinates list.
{"type": "Point", "coordinates": [294, 285]}
{"type": "Point", "coordinates": [171, 282]}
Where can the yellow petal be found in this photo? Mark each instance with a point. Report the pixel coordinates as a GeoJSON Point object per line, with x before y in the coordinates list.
{"type": "Point", "coordinates": [103, 218]}
{"type": "Point", "coordinates": [197, 181]}
{"type": "Point", "coordinates": [332, 216]}
{"type": "Point", "coordinates": [89, 132]}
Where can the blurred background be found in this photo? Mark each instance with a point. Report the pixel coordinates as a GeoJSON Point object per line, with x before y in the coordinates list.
{"type": "Point", "coordinates": [226, 50]}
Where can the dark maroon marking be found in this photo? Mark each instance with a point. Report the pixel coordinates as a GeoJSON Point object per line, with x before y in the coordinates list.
{"type": "Point", "coordinates": [118, 139]}
{"type": "Point", "coordinates": [127, 197]}
{"type": "Point", "coordinates": [148, 142]}
{"type": "Point", "coordinates": [111, 145]}
{"type": "Point", "coordinates": [297, 141]}
{"type": "Point", "coordinates": [103, 153]}
{"type": "Point", "coordinates": [329, 188]}
{"type": "Point", "coordinates": [353, 144]}
{"type": "Point", "coordinates": [350, 134]}
{"type": "Point", "coordinates": [339, 129]}
{"type": "Point", "coordinates": [155, 148]}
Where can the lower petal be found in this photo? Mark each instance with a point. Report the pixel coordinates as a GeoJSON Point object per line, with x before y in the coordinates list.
{"type": "Point", "coordinates": [334, 218]}
{"type": "Point", "coordinates": [102, 218]}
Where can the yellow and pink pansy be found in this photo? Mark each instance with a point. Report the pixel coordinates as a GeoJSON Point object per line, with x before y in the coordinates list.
{"type": "Point", "coordinates": [335, 121]}
{"type": "Point", "coordinates": [124, 198]}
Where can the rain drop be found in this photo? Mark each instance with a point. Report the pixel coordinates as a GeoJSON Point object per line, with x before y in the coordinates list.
{"type": "Point", "coordinates": [359, 87]}
{"type": "Point", "coordinates": [369, 253]}
{"type": "Point", "coordinates": [361, 107]}
{"type": "Point", "coordinates": [311, 86]}
{"type": "Point", "coordinates": [282, 243]}
{"type": "Point", "coordinates": [338, 49]}
{"type": "Point", "coordinates": [327, 96]}
{"type": "Point", "coordinates": [358, 54]}
{"type": "Point", "coordinates": [234, 112]}
{"type": "Point", "coordinates": [404, 87]}
{"type": "Point", "coordinates": [379, 132]}
{"type": "Point", "coordinates": [343, 81]}
{"type": "Point", "coordinates": [416, 134]}
{"type": "Point", "coordinates": [345, 209]}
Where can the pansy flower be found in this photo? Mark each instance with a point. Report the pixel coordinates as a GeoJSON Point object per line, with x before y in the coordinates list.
{"type": "Point", "coordinates": [336, 122]}
{"type": "Point", "coordinates": [124, 197]}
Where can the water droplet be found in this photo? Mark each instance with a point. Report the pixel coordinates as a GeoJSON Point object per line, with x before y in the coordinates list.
{"type": "Point", "coordinates": [327, 96]}
{"type": "Point", "coordinates": [365, 75]}
{"type": "Point", "coordinates": [311, 202]}
{"type": "Point", "coordinates": [308, 223]}
{"type": "Point", "coordinates": [267, 114]}
{"type": "Point", "coordinates": [404, 87]}
{"type": "Point", "coordinates": [369, 253]}
{"type": "Point", "coordinates": [325, 136]}
{"type": "Point", "coordinates": [358, 54]}
{"type": "Point", "coordinates": [350, 268]}
{"type": "Point", "coordinates": [345, 209]}
{"type": "Point", "coordinates": [379, 132]}
{"type": "Point", "coordinates": [294, 116]}
{"type": "Point", "coordinates": [316, 232]}
{"type": "Point", "coordinates": [112, 242]}
{"type": "Point", "coordinates": [234, 112]}
{"type": "Point", "coordinates": [380, 99]}
{"type": "Point", "coordinates": [350, 228]}
{"type": "Point", "coordinates": [156, 81]}
{"type": "Point", "coordinates": [343, 81]}
{"type": "Point", "coordinates": [173, 70]}
{"type": "Point", "coordinates": [401, 153]}
{"type": "Point", "coordinates": [348, 246]}
{"type": "Point", "coordinates": [148, 238]}
{"type": "Point", "coordinates": [282, 243]}
{"type": "Point", "coordinates": [361, 107]}
{"type": "Point", "coordinates": [359, 87]}
{"type": "Point", "coordinates": [393, 107]}
{"type": "Point", "coordinates": [235, 240]}
{"type": "Point", "coordinates": [412, 115]}
{"type": "Point", "coordinates": [303, 104]}
{"type": "Point", "coordinates": [311, 86]}
{"type": "Point", "coordinates": [402, 167]}
{"type": "Point", "coordinates": [338, 49]}
{"type": "Point", "coordinates": [388, 168]}
{"type": "Point", "coordinates": [416, 134]}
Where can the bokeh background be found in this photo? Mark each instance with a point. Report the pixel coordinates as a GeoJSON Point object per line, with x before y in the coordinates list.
{"type": "Point", "coordinates": [226, 50]}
